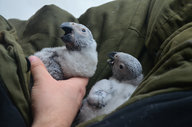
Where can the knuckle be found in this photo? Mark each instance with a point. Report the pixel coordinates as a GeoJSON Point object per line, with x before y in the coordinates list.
{"type": "Point", "coordinates": [82, 91]}
{"type": "Point", "coordinates": [36, 64]}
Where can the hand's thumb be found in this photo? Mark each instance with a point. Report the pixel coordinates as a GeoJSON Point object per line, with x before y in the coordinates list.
{"type": "Point", "coordinates": [38, 69]}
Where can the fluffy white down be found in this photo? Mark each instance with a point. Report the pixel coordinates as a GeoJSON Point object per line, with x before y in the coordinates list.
{"type": "Point", "coordinates": [78, 57]}
{"type": "Point", "coordinates": [62, 63]}
{"type": "Point", "coordinates": [115, 93]}
{"type": "Point", "coordinates": [108, 94]}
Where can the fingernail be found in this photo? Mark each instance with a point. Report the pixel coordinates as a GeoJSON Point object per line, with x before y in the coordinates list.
{"type": "Point", "coordinates": [32, 58]}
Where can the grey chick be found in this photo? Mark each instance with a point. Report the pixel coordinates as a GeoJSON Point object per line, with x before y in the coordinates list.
{"type": "Point", "coordinates": [77, 58]}
{"type": "Point", "coordinates": [108, 94]}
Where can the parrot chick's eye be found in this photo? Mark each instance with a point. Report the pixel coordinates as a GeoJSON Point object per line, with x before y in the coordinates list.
{"type": "Point", "coordinates": [83, 30]}
{"type": "Point", "coordinates": [121, 66]}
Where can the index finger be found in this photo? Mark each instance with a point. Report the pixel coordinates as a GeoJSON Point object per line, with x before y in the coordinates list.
{"type": "Point", "coordinates": [76, 80]}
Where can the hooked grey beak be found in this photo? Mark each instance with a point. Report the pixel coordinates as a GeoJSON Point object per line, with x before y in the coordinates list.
{"type": "Point", "coordinates": [67, 27]}
{"type": "Point", "coordinates": [111, 58]}
{"type": "Point", "coordinates": [67, 37]}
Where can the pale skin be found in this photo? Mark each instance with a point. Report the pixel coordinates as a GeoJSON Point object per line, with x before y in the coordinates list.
{"type": "Point", "coordinates": [54, 103]}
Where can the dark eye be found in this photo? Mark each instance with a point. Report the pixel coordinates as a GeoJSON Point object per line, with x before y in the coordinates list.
{"type": "Point", "coordinates": [121, 66]}
{"type": "Point", "coordinates": [83, 30]}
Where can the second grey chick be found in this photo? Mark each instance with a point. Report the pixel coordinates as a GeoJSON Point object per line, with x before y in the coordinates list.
{"type": "Point", "coordinates": [108, 94]}
{"type": "Point", "coordinates": [77, 58]}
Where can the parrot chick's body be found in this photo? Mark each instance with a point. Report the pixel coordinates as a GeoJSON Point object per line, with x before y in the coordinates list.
{"type": "Point", "coordinates": [77, 58]}
{"type": "Point", "coordinates": [108, 94]}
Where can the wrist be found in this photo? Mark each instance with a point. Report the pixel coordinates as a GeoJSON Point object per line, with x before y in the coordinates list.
{"type": "Point", "coordinates": [51, 120]}
{"type": "Point", "coordinates": [51, 123]}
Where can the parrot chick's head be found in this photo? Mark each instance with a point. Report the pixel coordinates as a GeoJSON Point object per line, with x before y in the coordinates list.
{"type": "Point", "coordinates": [124, 66]}
{"type": "Point", "coordinates": [77, 36]}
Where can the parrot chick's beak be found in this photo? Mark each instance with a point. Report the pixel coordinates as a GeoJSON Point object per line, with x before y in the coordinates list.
{"type": "Point", "coordinates": [68, 37]}
{"type": "Point", "coordinates": [111, 59]}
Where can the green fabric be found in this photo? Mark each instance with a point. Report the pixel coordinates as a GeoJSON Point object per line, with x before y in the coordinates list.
{"type": "Point", "coordinates": [42, 29]}
{"type": "Point", "coordinates": [13, 69]}
{"type": "Point", "coordinates": [154, 31]}
{"type": "Point", "coordinates": [166, 27]}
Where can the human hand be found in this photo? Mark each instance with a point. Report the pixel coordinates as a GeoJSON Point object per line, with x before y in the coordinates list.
{"type": "Point", "coordinates": [54, 103]}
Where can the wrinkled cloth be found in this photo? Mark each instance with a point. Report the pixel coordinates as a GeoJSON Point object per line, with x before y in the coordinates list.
{"type": "Point", "coordinates": [158, 33]}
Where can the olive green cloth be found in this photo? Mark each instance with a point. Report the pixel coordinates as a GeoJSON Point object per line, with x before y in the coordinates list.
{"type": "Point", "coordinates": [14, 74]}
{"type": "Point", "coordinates": [157, 32]}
